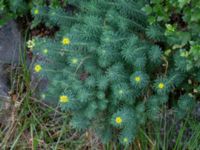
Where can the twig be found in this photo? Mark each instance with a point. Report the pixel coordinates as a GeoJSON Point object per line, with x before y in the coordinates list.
{"type": "Point", "coordinates": [80, 64]}
{"type": "Point", "coordinates": [166, 64]}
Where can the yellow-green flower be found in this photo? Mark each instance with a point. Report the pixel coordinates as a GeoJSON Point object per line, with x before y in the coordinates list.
{"type": "Point", "coordinates": [137, 78]}
{"type": "Point", "coordinates": [64, 99]}
{"type": "Point", "coordinates": [31, 44]}
{"type": "Point", "coordinates": [74, 61]}
{"type": "Point", "coordinates": [37, 68]}
{"type": "Point", "coordinates": [45, 51]}
{"type": "Point", "coordinates": [125, 140]}
{"type": "Point", "coordinates": [121, 92]}
{"type": "Point", "coordinates": [43, 96]}
{"type": "Point", "coordinates": [118, 120]}
{"type": "Point", "coordinates": [161, 85]}
{"type": "Point", "coordinates": [36, 11]}
{"type": "Point", "coordinates": [66, 41]}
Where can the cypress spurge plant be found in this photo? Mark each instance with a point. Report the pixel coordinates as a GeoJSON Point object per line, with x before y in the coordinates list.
{"type": "Point", "coordinates": [103, 70]}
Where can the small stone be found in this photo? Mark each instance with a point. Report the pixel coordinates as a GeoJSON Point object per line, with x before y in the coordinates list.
{"type": "Point", "coordinates": [10, 46]}
{"type": "Point", "coordinates": [10, 43]}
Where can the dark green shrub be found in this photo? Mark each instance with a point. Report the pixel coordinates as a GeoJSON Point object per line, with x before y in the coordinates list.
{"type": "Point", "coordinates": [11, 9]}
{"type": "Point", "coordinates": [104, 70]}
{"type": "Point", "coordinates": [181, 22]}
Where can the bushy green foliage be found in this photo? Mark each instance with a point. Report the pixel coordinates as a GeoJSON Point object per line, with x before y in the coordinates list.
{"type": "Point", "coordinates": [11, 9]}
{"type": "Point", "coordinates": [180, 23]}
{"type": "Point", "coordinates": [104, 70]}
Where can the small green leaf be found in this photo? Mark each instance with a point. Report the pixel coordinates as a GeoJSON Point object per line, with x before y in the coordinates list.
{"type": "Point", "coordinates": [182, 3]}
{"type": "Point", "coordinates": [147, 9]}
{"type": "Point", "coordinates": [151, 19]}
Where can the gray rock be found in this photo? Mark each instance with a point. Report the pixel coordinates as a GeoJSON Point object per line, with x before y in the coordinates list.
{"type": "Point", "coordinates": [10, 45]}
